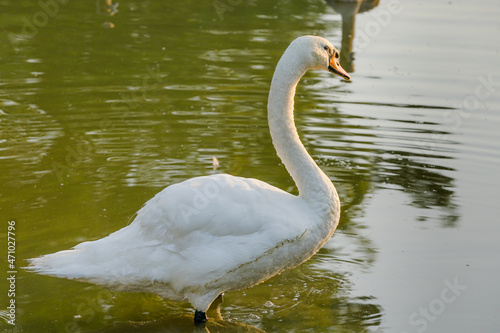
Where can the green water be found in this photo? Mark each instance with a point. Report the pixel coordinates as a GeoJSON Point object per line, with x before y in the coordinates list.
{"type": "Point", "coordinates": [99, 112]}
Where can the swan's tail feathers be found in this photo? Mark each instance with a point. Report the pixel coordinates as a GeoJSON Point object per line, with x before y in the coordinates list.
{"type": "Point", "coordinates": [87, 260]}
{"type": "Point", "coordinates": [64, 264]}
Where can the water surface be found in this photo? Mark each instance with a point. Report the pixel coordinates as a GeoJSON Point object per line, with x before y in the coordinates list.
{"type": "Point", "coordinates": [96, 120]}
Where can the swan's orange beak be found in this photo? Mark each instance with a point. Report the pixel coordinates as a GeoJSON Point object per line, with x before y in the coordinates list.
{"type": "Point", "coordinates": [335, 68]}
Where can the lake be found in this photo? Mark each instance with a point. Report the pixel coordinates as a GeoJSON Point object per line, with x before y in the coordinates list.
{"type": "Point", "coordinates": [102, 106]}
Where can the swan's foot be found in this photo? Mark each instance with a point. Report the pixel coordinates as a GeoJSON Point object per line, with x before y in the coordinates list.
{"type": "Point", "coordinates": [200, 317]}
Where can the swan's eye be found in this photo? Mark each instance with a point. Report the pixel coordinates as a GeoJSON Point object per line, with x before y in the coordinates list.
{"type": "Point", "coordinates": [337, 55]}
{"type": "Point", "coordinates": [328, 50]}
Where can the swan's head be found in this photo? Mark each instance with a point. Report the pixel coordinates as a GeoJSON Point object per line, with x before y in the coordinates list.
{"type": "Point", "coordinates": [319, 53]}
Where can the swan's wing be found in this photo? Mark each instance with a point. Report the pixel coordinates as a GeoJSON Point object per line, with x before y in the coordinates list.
{"type": "Point", "coordinates": [222, 221]}
{"type": "Point", "coordinates": [219, 205]}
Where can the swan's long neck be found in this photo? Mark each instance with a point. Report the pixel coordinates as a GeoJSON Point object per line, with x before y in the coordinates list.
{"type": "Point", "coordinates": [314, 186]}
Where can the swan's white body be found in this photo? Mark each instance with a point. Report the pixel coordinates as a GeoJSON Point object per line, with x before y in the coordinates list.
{"type": "Point", "coordinates": [208, 235]}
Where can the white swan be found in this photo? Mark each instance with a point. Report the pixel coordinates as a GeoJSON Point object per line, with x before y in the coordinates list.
{"type": "Point", "coordinates": [208, 235]}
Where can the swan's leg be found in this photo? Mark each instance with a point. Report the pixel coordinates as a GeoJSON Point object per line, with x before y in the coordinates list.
{"type": "Point", "coordinates": [214, 309]}
{"type": "Point", "coordinates": [218, 301]}
{"type": "Point", "coordinates": [200, 317]}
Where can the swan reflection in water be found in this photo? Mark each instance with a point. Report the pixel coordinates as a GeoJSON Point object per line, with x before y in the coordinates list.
{"type": "Point", "coordinates": [348, 10]}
